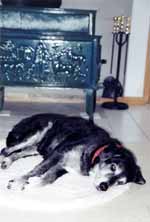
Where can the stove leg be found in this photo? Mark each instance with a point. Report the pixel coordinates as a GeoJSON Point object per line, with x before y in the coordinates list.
{"type": "Point", "coordinates": [1, 97]}
{"type": "Point", "coordinates": [90, 102]}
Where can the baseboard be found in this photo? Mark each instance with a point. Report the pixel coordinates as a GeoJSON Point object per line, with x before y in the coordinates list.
{"type": "Point", "coordinates": [128, 100]}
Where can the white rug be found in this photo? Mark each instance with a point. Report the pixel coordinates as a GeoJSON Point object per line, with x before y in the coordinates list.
{"type": "Point", "coordinates": [69, 192]}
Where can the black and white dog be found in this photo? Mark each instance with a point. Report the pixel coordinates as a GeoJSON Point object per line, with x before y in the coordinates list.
{"type": "Point", "coordinates": [65, 143]}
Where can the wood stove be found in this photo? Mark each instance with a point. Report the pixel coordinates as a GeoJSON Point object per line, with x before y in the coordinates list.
{"type": "Point", "coordinates": [50, 48]}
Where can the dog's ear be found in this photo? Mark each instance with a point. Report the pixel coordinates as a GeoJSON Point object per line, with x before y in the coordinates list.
{"type": "Point", "coordinates": [139, 179]}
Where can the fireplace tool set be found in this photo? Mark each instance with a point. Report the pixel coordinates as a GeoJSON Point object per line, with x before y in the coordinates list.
{"type": "Point", "coordinates": [120, 39]}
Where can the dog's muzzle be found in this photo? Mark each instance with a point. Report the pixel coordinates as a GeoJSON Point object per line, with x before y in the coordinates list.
{"type": "Point", "coordinates": [103, 186]}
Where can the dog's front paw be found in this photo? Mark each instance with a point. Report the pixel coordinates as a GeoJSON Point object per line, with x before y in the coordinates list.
{"type": "Point", "coordinates": [18, 184]}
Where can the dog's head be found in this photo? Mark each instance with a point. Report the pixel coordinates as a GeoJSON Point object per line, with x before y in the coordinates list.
{"type": "Point", "coordinates": [115, 165]}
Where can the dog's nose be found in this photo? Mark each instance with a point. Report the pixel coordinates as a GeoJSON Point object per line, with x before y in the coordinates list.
{"type": "Point", "coordinates": [103, 186]}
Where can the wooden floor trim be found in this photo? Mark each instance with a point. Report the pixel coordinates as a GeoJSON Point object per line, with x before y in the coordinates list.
{"type": "Point", "coordinates": [147, 73]}
{"type": "Point", "coordinates": [128, 100]}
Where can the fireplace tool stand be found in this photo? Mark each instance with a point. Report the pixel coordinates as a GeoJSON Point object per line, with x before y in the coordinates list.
{"type": "Point", "coordinates": [121, 38]}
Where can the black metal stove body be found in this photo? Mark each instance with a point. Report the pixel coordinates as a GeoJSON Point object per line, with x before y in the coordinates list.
{"type": "Point", "coordinates": [50, 48]}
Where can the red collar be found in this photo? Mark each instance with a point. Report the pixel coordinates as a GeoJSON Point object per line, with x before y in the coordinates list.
{"type": "Point", "coordinates": [100, 150]}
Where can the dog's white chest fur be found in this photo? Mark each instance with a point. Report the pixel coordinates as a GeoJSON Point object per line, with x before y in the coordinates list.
{"type": "Point", "coordinates": [71, 160]}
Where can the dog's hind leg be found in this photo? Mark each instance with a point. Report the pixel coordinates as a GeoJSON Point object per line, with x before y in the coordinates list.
{"type": "Point", "coordinates": [31, 141]}
{"type": "Point", "coordinates": [7, 161]}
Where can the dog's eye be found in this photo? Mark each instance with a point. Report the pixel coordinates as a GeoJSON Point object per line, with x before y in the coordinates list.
{"type": "Point", "coordinates": [122, 181]}
{"type": "Point", "coordinates": [113, 167]}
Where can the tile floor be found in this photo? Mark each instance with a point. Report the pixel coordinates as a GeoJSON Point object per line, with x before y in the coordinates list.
{"type": "Point", "coordinates": [132, 127]}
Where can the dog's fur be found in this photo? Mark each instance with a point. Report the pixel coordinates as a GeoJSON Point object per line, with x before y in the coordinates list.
{"type": "Point", "coordinates": [69, 143]}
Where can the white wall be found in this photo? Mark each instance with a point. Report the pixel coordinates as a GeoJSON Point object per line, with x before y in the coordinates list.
{"type": "Point", "coordinates": [137, 48]}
